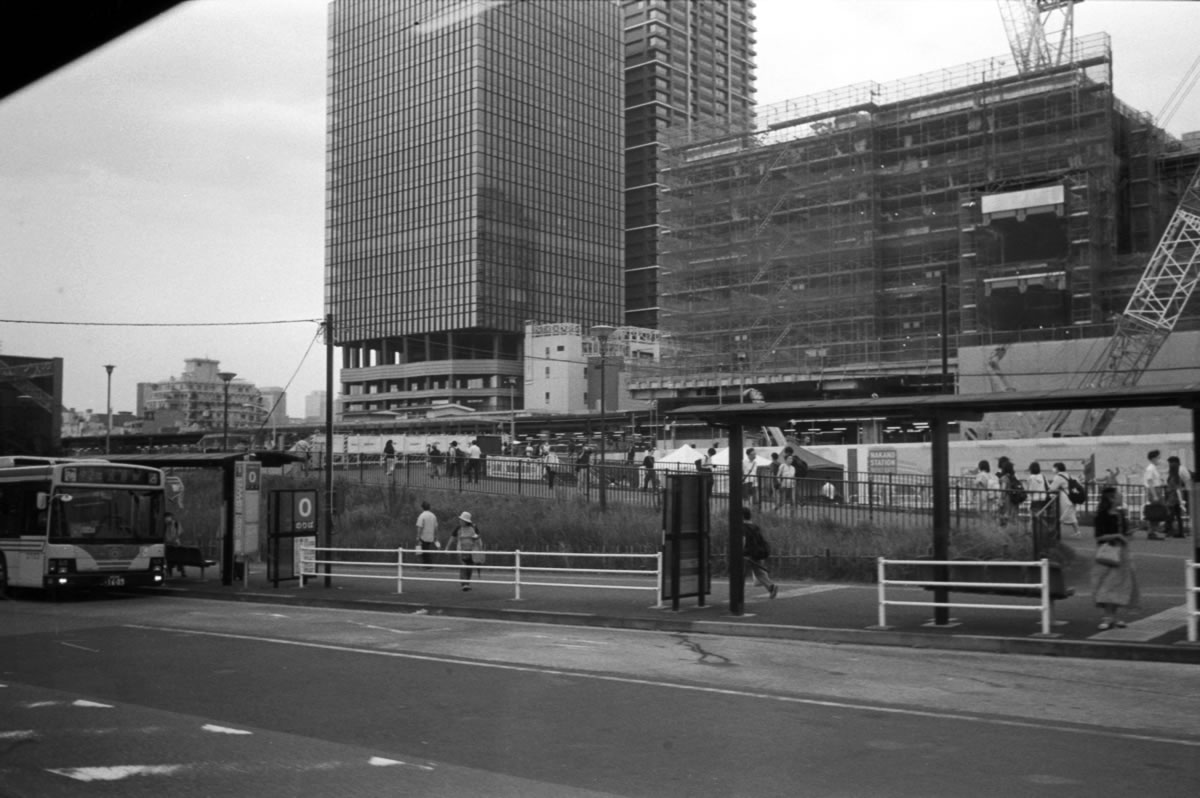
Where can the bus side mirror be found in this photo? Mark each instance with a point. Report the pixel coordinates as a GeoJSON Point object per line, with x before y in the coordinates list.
{"type": "Point", "coordinates": [43, 500]}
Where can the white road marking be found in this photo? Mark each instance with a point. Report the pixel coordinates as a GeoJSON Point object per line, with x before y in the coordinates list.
{"type": "Point", "coordinates": [90, 704]}
{"type": "Point", "coordinates": [1148, 628]}
{"type": "Point", "coordinates": [209, 727]}
{"type": "Point", "coordinates": [18, 734]}
{"type": "Point", "coordinates": [692, 688]}
{"type": "Point", "coordinates": [81, 648]}
{"type": "Point", "coordinates": [379, 761]}
{"type": "Point", "coordinates": [386, 629]}
{"type": "Point", "coordinates": [116, 772]}
{"type": "Point", "coordinates": [807, 591]}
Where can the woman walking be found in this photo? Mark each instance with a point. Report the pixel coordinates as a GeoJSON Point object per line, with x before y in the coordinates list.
{"type": "Point", "coordinates": [465, 539]}
{"type": "Point", "coordinates": [389, 458]}
{"type": "Point", "coordinates": [1114, 582]}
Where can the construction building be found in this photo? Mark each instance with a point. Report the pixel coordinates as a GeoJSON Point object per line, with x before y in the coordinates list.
{"type": "Point", "coordinates": [862, 239]}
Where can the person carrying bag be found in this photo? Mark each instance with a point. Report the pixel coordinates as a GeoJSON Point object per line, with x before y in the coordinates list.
{"type": "Point", "coordinates": [466, 540]}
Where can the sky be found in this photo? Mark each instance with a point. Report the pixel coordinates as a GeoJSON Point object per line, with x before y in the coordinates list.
{"type": "Point", "coordinates": [163, 197]}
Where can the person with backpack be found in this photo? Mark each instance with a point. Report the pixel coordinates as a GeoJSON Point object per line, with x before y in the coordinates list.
{"type": "Point", "coordinates": [1065, 490]}
{"type": "Point", "coordinates": [755, 551]}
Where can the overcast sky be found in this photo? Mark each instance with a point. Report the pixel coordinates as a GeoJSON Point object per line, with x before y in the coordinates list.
{"type": "Point", "coordinates": [176, 176]}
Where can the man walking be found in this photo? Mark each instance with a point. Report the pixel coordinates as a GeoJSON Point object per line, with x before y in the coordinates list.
{"type": "Point", "coordinates": [1155, 510]}
{"type": "Point", "coordinates": [755, 551]}
{"type": "Point", "coordinates": [427, 525]}
{"type": "Point", "coordinates": [474, 455]}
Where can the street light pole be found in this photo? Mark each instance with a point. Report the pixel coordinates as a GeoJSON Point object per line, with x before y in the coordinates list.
{"type": "Point", "coordinates": [226, 376]}
{"type": "Point", "coordinates": [512, 411]}
{"type": "Point", "coordinates": [108, 423]}
{"type": "Point", "coordinates": [602, 331]}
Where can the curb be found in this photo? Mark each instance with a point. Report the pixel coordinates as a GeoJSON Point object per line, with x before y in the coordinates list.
{"type": "Point", "coordinates": [1180, 653]}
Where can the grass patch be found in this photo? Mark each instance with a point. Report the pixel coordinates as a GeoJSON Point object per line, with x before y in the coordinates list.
{"type": "Point", "coordinates": [383, 517]}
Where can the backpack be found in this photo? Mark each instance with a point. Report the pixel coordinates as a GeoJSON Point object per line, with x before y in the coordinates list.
{"type": "Point", "coordinates": [756, 547]}
{"type": "Point", "coordinates": [1076, 492]}
{"type": "Point", "coordinates": [1016, 491]}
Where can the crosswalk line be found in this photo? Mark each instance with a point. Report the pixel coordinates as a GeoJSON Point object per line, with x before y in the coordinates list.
{"type": "Point", "coordinates": [1148, 628]}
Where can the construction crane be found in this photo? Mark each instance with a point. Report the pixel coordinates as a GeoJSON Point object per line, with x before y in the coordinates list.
{"type": "Point", "coordinates": [1157, 302]}
{"type": "Point", "coordinates": [1041, 33]}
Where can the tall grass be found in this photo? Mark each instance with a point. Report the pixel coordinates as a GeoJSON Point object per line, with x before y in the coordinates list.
{"type": "Point", "coordinates": [376, 516]}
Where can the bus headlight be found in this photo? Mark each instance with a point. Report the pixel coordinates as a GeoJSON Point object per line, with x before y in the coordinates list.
{"type": "Point", "coordinates": [157, 565]}
{"type": "Point", "coordinates": [60, 566]}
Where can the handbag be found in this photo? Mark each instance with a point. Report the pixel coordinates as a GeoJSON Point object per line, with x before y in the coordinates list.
{"type": "Point", "coordinates": [478, 557]}
{"type": "Point", "coordinates": [1155, 511]}
{"type": "Point", "coordinates": [1108, 554]}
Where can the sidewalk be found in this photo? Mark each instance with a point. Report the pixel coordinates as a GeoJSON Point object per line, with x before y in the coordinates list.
{"type": "Point", "coordinates": [820, 612]}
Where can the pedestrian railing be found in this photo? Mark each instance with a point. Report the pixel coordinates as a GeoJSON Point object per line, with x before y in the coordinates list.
{"type": "Point", "coordinates": [1193, 601]}
{"type": "Point", "coordinates": [516, 568]}
{"type": "Point", "coordinates": [971, 576]}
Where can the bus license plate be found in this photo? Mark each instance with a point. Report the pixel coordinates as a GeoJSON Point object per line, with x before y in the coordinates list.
{"type": "Point", "coordinates": [114, 581]}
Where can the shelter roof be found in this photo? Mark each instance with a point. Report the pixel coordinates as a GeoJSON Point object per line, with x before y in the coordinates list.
{"type": "Point", "coordinates": [269, 459]}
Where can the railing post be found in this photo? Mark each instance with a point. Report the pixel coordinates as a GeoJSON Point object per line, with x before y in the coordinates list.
{"type": "Point", "coordinates": [1047, 607]}
{"type": "Point", "coordinates": [517, 573]}
{"type": "Point", "coordinates": [399, 569]}
{"type": "Point", "coordinates": [881, 566]}
{"type": "Point", "coordinates": [1190, 581]}
{"type": "Point", "coordinates": [658, 579]}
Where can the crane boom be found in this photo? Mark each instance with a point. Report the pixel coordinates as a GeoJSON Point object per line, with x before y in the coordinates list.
{"type": "Point", "coordinates": [1150, 316]}
{"type": "Point", "coordinates": [1031, 38]}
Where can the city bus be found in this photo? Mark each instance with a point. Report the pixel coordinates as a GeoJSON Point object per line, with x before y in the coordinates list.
{"type": "Point", "coordinates": [67, 524]}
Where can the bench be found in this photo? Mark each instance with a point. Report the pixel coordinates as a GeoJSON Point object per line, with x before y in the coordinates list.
{"type": "Point", "coordinates": [1030, 574]}
{"type": "Point", "coordinates": [182, 556]}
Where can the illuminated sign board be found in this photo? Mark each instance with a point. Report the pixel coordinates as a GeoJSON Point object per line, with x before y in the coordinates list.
{"type": "Point", "coordinates": [111, 475]}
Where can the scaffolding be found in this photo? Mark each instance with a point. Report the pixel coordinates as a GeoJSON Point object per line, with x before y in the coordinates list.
{"type": "Point", "coordinates": [815, 248]}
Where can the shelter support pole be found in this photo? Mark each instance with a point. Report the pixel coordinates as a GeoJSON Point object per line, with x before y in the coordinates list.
{"type": "Point", "coordinates": [1193, 509]}
{"type": "Point", "coordinates": [737, 565]}
{"type": "Point", "coordinates": [227, 522]}
{"type": "Point", "coordinates": [940, 443]}
{"type": "Point", "coordinates": [328, 514]}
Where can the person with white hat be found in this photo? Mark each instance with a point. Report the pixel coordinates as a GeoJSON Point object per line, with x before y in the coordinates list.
{"type": "Point", "coordinates": [465, 538]}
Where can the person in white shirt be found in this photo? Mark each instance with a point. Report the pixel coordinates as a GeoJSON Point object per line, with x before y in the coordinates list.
{"type": "Point", "coordinates": [474, 453]}
{"type": "Point", "coordinates": [749, 478]}
{"type": "Point", "coordinates": [1152, 481]}
{"type": "Point", "coordinates": [550, 464]}
{"type": "Point", "coordinates": [987, 487]}
{"type": "Point", "coordinates": [427, 525]}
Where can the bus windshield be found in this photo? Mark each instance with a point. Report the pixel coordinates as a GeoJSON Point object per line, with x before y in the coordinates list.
{"type": "Point", "coordinates": [106, 515]}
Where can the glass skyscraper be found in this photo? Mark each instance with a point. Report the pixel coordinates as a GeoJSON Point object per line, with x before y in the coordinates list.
{"type": "Point", "coordinates": [475, 182]}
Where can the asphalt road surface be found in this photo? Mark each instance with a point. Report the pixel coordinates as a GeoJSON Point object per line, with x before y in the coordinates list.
{"type": "Point", "coordinates": [159, 696]}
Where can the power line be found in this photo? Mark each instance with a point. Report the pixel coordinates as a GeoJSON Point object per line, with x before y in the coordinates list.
{"type": "Point", "coordinates": [159, 324]}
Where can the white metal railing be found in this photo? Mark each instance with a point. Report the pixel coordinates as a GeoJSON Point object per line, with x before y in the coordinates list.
{"type": "Point", "coordinates": [1044, 606]}
{"type": "Point", "coordinates": [1193, 601]}
{"type": "Point", "coordinates": [399, 564]}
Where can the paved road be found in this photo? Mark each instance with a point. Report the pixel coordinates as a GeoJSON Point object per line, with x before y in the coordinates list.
{"type": "Point", "coordinates": [155, 695]}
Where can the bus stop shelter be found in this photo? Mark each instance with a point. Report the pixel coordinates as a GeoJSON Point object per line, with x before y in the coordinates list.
{"type": "Point", "coordinates": [938, 411]}
{"type": "Point", "coordinates": [225, 461]}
